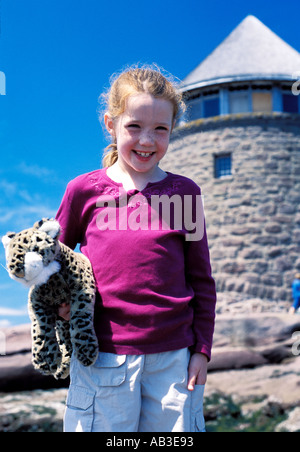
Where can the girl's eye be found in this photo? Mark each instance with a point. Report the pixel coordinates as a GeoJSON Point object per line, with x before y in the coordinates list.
{"type": "Point", "coordinates": [133, 126]}
{"type": "Point", "coordinates": [161, 128]}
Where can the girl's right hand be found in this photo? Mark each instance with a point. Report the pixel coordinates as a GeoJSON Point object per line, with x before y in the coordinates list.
{"type": "Point", "coordinates": [64, 311]}
{"type": "Point", "coordinates": [197, 370]}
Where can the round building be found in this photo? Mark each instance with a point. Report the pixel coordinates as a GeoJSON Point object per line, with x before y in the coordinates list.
{"type": "Point", "coordinates": [240, 141]}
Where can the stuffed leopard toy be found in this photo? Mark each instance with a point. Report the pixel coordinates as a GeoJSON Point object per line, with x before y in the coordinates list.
{"type": "Point", "coordinates": [55, 275]}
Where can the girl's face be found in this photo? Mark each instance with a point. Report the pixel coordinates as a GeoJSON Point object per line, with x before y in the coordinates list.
{"type": "Point", "coordinates": [142, 132]}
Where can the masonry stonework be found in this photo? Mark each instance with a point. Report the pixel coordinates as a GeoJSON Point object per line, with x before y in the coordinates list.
{"type": "Point", "coordinates": [252, 216]}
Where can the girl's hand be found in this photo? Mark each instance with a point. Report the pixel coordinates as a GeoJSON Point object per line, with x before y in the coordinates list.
{"type": "Point", "coordinates": [64, 311]}
{"type": "Point", "coordinates": [197, 370]}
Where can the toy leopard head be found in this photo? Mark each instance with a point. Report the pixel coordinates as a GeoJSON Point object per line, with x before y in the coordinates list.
{"type": "Point", "coordinates": [30, 254]}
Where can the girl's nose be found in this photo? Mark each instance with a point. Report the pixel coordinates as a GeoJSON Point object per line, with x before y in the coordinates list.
{"type": "Point", "coordinates": [146, 138]}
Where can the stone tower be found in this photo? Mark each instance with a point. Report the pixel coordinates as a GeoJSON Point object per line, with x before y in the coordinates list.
{"type": "Point", "coordinates": [240, 141]}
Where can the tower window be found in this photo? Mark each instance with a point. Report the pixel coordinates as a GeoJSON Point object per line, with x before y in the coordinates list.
{"type": "Point", "coordinates": [290, 103]}
{"type": "Point", "coordinates": [194, 111]}
{"type": "Point", "coordinates": [261, 102]}
{"type": "Point", "coordinates": [238, 102]}
{"type": "Point", "coordinates": [211, 107]}
{"type": "Point", "coordinates": [222, 165]}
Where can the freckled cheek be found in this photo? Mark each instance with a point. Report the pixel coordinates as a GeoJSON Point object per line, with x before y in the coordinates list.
{"type": "Point", "coordinates": [129, 139]}
{"type": "Point", "coordinates": [125, 145]}
{"type": "Point", "coordinates": [163, 144]}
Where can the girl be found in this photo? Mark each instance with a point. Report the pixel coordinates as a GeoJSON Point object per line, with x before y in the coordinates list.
{"type": "Point", "coordinates": [155, 305]}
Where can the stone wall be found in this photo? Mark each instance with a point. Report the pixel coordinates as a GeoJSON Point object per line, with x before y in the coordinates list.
{"type": "Point", "coordinates": [253, 216]}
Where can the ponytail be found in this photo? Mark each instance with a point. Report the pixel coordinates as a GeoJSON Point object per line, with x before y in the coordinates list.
{"type": "Point", "coordinates": [110, 156]}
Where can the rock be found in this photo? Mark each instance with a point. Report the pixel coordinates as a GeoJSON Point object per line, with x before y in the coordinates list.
{"type": "Point", "coordinates": [272, 407]}
{"type": "Point", "coordinates": [18, 339]}
{"type": "Point", "coordinates": [18, 374]}
{"type": "Point", "coordinates": [235, 359]}
{"type": "Point", "coordinates": [276, 355]}
{"type": "Point", "coordinates": [252, 385]}
{"type": "Point", "coordinates": [279, 380]}
{"type": "Point", "coordinates": [16, 370]}
{"type": "Point", "coordinates": [292, 424]}
{"type": "Point", "coordinates": [241, 341]}
{"type": "Point", "coordinates": [255, 329]}
{"type": "Point", "coordinates": [233, 302]}
{"type": "Point", "coordinates": [254, 372]}
{"type": "Point", "coordinates": [34, 411]}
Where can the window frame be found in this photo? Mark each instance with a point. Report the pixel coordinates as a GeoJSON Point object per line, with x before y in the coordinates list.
{"type": "Point", "coordinates": [222, 170]}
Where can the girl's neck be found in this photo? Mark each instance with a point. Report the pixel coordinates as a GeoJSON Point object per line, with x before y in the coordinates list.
{"type": "Point", "coordinates": [133, 180]}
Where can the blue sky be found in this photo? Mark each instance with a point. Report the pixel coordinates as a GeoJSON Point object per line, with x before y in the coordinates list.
{"type": "Point", "coordinates": [57, 57]}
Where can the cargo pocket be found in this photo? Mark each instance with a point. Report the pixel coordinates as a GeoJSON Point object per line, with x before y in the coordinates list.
{"type": "Point", "coordinates": [109, 369]}
{"type": "Point", "coordinates": [197, 418]}
{"type": "Point", "coordinates": [80, 410]}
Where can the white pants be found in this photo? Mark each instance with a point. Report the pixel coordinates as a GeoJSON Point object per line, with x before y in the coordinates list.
{"type": "Point", "coordinates": [134, 393]}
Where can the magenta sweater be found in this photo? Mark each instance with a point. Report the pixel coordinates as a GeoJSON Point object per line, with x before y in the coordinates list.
{"type": "Point", "coordinates": [155, 289]}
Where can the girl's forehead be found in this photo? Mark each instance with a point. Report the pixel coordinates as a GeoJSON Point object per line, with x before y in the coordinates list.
{"type": "Point", "coordinates": [144, 104]}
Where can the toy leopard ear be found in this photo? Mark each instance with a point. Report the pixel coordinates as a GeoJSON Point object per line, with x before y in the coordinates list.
{"type": "Point", "coordinates": [40, 223]}
{"type": "Point", "coordinates": [51, 227]}
{"type": "Point", "coordinates": [7, 238]}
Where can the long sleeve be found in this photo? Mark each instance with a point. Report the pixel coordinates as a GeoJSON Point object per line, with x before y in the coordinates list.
{"type": "Point", "coordinates": [198, 274]}
{"type": "Point", "coordinates": [69, 222]}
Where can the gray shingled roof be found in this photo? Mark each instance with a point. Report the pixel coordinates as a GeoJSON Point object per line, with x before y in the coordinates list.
{"type": "Point", "coordinates": [251, 52]}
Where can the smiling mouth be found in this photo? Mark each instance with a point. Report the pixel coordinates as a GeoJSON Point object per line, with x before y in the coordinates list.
{"type": "Point", "coordinates": [144, 154]}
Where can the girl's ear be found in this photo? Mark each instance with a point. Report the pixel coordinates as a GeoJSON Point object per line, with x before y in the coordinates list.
{"type": "Point", "coordinates": [109, 124]}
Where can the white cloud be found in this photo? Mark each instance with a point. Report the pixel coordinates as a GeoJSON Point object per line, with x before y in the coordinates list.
{"type": "Point", "coordinates": [9, 188]}
{"type": "Point", "coordinates": [45, 174]}
{"type": "Point", "coordinates": [5, 323]}
{"type": "Point", "coordinates": [23, 201]}
{"type": "Point", "coordinates": [10, 312]}
{"type": "Point", "coordinates": [13, 191]}
{"type": "Point", "coordinates": [19, 218]}
{"type": "Point", "coordinates": [5, 218]}
{"type": "Point", "coordinates": [5, 286]}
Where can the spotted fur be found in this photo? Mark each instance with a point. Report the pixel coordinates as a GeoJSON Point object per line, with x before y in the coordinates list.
{"type": "Point", "coordinates": [55, 275]}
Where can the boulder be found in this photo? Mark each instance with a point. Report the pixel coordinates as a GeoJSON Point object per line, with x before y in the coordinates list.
{"type": "Point", "coordinates": [16, 370]}
{"type": "Point", "coordinates": [242, 341]}
{"type": "Point", "coordinates": [33, 411]}
{"type": "Point", "coordinates": [235, 359]}
{"type": "Point", "coordinates": [249, 341]}
{"type": "Point", "coordinates": [292, 423]}
{"type": "Point", "coordinates": [254, 330]}
{"type": "Point", "coordinates": [17, 339]}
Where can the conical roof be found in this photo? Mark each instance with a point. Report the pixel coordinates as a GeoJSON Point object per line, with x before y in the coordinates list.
{"type": "Point", "coordinates": [251, 52]}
